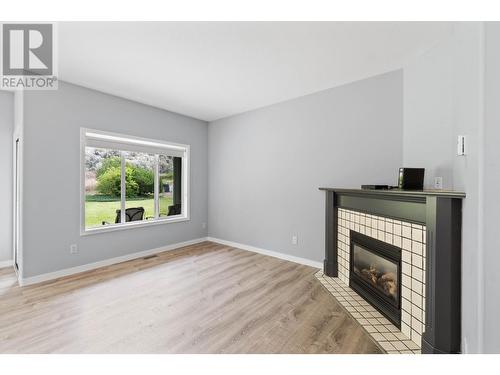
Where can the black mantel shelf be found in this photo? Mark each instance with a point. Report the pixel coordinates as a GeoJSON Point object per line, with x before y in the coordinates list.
{"type": "Point", "coordinates": [396, 192]}
{"type": "Point", "coordinates": [441, 212]}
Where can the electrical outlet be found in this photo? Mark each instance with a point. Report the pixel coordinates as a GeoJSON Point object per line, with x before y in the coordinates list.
{"type": "Point", "coordinates": [73, 249]}
{"type": "Point", "coordinates": [204, 225]}
{"type": "Point", "coordinates": [438, 182]}
{"type": "Point", "coordinates": [295, 240]}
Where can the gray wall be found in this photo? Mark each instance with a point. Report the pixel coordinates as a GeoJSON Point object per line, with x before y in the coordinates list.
{"type": "Point", "coordinates": [6, 129]}
{"type": "Point", "coordinates": [266, 165]}
{"type": "Point", "coordinates": [427, 93]}
{"type": "Point", "coordinates": [52, 122]}
{"type": "Point", "coordinates": [442, 95]}
{"type": "Point", "coordinates": [467, 115]}
{"type": "Point", "coordinates": [491, 188]}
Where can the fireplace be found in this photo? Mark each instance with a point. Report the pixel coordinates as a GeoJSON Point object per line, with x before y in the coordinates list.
{"type": "Point", "coordinates": [375, 274]}
{"type": "Point", "coordinates": [423, 231]}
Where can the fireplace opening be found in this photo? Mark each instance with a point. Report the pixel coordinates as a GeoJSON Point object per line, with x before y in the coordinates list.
{"type": "Point", "coordinates": [375, 274]}
{"type": "Point", "coordinates": [379, 272]}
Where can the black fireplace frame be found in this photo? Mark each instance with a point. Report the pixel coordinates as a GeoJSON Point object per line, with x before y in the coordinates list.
{"type": "Point", "coordinates": [372, 295]}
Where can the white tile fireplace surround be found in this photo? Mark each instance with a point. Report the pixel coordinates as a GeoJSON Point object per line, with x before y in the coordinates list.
{"type": "Point", "coordinates": [411, 238]}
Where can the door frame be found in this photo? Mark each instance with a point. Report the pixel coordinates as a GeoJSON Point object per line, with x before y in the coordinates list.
{"type": "Point", "coordinates": [17, 204]}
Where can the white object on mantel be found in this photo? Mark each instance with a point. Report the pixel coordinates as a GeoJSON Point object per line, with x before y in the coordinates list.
{"type": "Point", "coordinates": [461, 145]}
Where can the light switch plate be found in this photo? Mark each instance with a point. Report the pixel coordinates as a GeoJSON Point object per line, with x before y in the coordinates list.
{"type": "Point", "coordinates": [461, 145]}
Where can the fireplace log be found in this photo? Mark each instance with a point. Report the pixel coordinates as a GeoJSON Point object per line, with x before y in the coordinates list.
{"type": "Point", "coordinates": [389, 283]}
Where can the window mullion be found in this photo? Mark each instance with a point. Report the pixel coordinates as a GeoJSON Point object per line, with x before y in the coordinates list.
{"type": "Point", "coordinates": [123, 187]}
{"type": "Point", "coordinates": [157, 187]}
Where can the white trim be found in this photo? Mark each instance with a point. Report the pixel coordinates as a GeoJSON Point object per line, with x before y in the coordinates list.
{"type": "Point", "coordinates": [480, 200]}
{"type": "Point", "coordinates": [131, 225]}
{"type": "Point", "coordinates": [18, 195]}
{"type": "Point", "coordinates": [156, 188]}
{"type": "Point", "coordinates": [103, 139]}
{"type": "Point", "coordinates": [6, 263]}
{"type": "Point", "coordinates": [123, 191]}
{"type": "Point", "coordinates": [186, 184]}
{"type": "Point", "coordinates": [275, 254]}
{"type": "Point", "coordinates": [104, 263]}
{"type": "Point", "coordinates": [82, 180]}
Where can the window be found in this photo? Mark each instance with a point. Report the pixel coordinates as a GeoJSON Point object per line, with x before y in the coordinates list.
{"type": "Point", "coordinates": [130, 181]}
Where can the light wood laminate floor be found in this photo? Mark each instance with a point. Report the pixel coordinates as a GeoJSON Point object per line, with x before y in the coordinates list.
{"type": "Point", "coordinates": [204, 298]}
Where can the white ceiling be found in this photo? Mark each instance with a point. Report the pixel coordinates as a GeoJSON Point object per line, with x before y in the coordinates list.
{"type": "Point", "coordinates": [211, 70]}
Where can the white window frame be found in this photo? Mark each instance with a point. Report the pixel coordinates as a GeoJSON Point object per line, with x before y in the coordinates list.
{"type": "Point", "coordinates": [124, 142]}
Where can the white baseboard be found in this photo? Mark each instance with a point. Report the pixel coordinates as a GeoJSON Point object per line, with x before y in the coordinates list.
{"type": "Point", "coordinates": [6, 263]}
{"type": "Point", "coordinates": [271, 253]}
{"type": "Point", "coordinates": [107, 262]}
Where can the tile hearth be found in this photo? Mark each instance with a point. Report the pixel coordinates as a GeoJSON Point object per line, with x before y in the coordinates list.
{"type": "Point", "coordinates": [387, 335]}
{"type": "Point", "coordinates": [411, 239]}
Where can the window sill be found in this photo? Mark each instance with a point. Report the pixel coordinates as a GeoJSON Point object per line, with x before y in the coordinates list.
{"type": "Point", "coordinates": [131, 225]}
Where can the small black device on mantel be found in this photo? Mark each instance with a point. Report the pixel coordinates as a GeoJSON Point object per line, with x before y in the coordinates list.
{"type": "Point", "coordinates": [375, 187]}
{"type": "Point", "coordinates": [411, 178]}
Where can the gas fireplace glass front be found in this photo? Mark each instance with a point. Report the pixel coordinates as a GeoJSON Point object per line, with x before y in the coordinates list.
{"type": "Point", "coordinates": [375, 273]}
